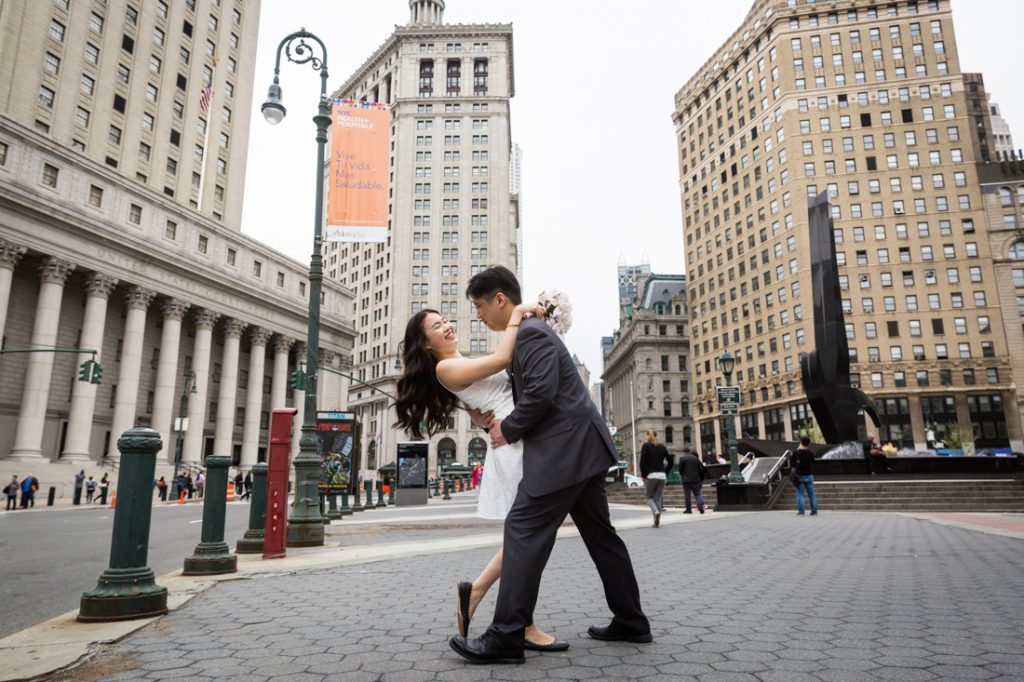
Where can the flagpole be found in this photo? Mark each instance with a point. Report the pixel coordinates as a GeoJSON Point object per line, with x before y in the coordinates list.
{"type": "Point", "coordinates": [202, 168]}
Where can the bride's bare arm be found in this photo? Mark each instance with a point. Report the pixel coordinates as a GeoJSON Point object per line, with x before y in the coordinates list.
{"type": "Point", "coordinates": [458, 373]}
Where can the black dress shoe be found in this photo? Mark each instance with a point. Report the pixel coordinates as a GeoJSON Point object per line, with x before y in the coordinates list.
{"type": "Point", "coordinates": [611, 634]}
{"type": "Point", "coordinates": [485, 650]}
{"type": "Point", "coordinates": [557, 645]}
{"type": "Point", "coordinates": [463, 589]}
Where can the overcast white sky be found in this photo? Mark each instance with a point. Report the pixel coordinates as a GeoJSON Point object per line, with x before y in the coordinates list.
{"type": "Point", "coordinates": [595, 82]}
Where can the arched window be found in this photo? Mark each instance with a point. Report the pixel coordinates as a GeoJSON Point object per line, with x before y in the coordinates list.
{"type": "Point", "coordinates": [445, 454]}
{"type": "Point", "coordinates": [1017, 251]}
{"type": "Point", "coordinates": [477, 451]}
{"type": "Point", "coordinates": [668, 434]}
{"type": "Point", "coordinates": [371, 455]}
{"type": "Point", "coordinates": [1005, 196]}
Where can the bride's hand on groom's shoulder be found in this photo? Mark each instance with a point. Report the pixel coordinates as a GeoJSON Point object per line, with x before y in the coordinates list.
{"type": "Point", "coordinates": [531, 309]}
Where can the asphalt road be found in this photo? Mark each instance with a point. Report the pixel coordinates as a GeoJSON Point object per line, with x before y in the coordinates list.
{"type": "Point", "coordinates": [49, 558]}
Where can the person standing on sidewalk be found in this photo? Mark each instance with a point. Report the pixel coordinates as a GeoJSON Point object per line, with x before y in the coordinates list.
{"type": "Point", "coordinates": [247, 486]}
{"type": "Point", "coordinates": [79, 481]}
{"type": "Point", "coordinates": [161, 488]}
{"type": "Point", "coordinates": [29, 486]}
{"type": "Point", "coordinates": [655, 463]}
{"type": "Point", "coordinates": [104, 486]}
{"type": "Point", "coordinates": [239, 481]}
{"type": "Point", "coordinates": [803, 462]}
{"type": "Point", "coordinates": [692, 471]}
{"type": "Point", "coordinates": [200, 484]}
{"type": "Point", "coordinates": [11, 491]}
{"type": "Point", "coordinates": [90, 490]}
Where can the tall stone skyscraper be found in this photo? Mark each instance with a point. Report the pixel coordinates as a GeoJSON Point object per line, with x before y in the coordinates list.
{"type": "Point", "coordinates": [119, 82]}
{"type": "Point", "coordinates": [451, 209]}
{"type": "Point", "coordinates": [868, 104]}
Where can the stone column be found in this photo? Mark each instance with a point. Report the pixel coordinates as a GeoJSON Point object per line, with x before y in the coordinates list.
{"type": "Point", "coordinates": [917, 425]}
{"type": "Point", "coordinates": [10, 254]}
{"type": "Point", "coordinates": [224, 428]}
{"type": "Point", "coordinates": [126, 401]}
{"type": "Point", "coordinates": [325, 384]}
{"type": "Point", "coordinates": [28, 441]}
{"type": "Point", "coordinates": [193, 448]}
{"type": "Point", "coordinates": [345, 364]}
{"type": "Point", "coordinates": [98, 288]}
{"type": "Point", "coordinates": [167, 373]}
{"type": "Point", "coordinates": [258, 338]}
{"type": "Point", "coordinates": [279, 383]}
{"type": "Point", "coordinates": [298, 402]}
{"type": "Point", "coordinates": [1013, 421]}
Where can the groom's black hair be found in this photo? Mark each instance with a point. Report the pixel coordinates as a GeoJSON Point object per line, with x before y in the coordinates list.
{"type": "Point", "coordinates": [491, 281]}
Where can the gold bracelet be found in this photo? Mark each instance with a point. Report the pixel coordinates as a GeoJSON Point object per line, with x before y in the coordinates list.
{"type": "Point", "coordinates": [511, 324]}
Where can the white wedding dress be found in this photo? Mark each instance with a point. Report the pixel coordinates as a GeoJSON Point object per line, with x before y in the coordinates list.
{"type": "Point", "coordinates": [503, 468]}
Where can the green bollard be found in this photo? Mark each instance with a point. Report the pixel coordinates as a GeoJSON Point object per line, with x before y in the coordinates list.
{"type": "Point", "coordinates": [332, 506]}
{"type": "Point", "coordinates": [391, 493]}
{"type": "Point", "coordinates": [252, 540]}
{"type": "Point", "coordinates": [323, 510]}
{"type": "Point", "coordinates": [212, 555]}
{"type": "Point", "coordinates": [357, 504]}
{"type": "Point", "coordinates": [447, 489]}
{"type": "Point", "coordinates": [380, 495]}
{"type": "Point", "coordinates": [128, 589]}
{"type": "Point", "coordinates": [368, 486]}
{"type": "Point", "coordinates": [345, 509]}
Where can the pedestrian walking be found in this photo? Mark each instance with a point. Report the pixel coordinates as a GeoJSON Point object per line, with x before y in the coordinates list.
{"type": "Point", "coordinates": [247, 485]}
{"type": "Point", "coordinates": [190, 485]}
{"type": "Point", "coordinates": [181, 485]}
{"type": "Point", "coordinates": [655, 463]}
{"type": "Point", "coordinates": [104, 487]}
{"type": "Point", "coordinates": [161, 489]}
{"type": "Point", "coordinates": [90, 490]}
{"type": "Point", "coordinates": [200, 484]}
{"type": "Point", "coordinates": [238, 483]}
{"type": "Point", "coordinates": [11, 491]}
{"type": "Point", "coordinates": [79, 482]}
{"type": "Point", "coordinates": [29, 486]}
{"type": "Point", "coordinates": [803, 463]}
{"type": "Point", "coordinates": [693, 472]}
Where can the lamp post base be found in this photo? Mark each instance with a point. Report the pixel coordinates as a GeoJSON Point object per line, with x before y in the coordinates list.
{"type": "Point", "coordinates": [211, 559]}
{"type": "Point", "coordinates": [123, 594]}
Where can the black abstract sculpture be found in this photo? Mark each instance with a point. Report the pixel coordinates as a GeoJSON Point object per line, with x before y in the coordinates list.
{"type": "Point", "coordinates": [826, 369]}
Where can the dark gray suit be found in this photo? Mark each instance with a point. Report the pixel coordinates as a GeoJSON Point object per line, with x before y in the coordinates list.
{"type": "Point", "coordinates": [566, 453]}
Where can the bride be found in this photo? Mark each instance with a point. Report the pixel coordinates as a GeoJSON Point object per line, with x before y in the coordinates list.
{"type": "Point", "coordinates": [435, 379]}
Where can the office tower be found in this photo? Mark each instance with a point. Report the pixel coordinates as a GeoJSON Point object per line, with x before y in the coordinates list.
{"type": "Point", "coordinates": [868, 104]}
{"type": "Point", "coordinates": [451, 211]}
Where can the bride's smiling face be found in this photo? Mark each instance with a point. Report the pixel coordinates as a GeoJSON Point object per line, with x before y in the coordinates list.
{"type": "Point", "coordinates": [441, 339]}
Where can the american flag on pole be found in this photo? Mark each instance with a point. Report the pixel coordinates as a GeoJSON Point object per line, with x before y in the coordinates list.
{"type": "Point", "coordinates": [206, 97]}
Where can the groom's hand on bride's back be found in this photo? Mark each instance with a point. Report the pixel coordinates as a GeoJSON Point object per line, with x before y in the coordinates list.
{"type": "Point", "coordinates": [497, 437]}
{"type": "Point", "coordinates": [481, 419]}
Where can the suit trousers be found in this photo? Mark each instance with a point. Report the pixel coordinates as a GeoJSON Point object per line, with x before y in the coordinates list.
{"type": "Point", "coordinates": [530, 529]}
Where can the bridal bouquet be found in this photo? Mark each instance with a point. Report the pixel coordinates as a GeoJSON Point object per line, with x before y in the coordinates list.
{"type": "Point", "coordinates": [557, 310]}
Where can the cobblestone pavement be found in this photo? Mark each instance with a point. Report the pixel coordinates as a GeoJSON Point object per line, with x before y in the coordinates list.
{"type": "Point", "coordinates": [840, 597]}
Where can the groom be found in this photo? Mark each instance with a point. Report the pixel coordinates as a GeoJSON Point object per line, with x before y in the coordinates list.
{"type": "Point", "coordinates": [567, 452]}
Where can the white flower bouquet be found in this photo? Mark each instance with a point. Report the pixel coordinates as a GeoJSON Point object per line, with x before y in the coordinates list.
{"type": "Point", "coordinates": [557, 310]}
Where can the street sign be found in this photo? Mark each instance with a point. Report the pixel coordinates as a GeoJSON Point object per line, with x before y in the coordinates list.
{"type": "Point", "coordinates": [728, 399]}
{"type": "Point", "coordinates": [180, 424]}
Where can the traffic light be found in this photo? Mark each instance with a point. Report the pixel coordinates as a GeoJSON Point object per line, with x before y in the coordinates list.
{"type": "Point", "coordinates": [298, 381]}
{"type": "Point", "coordinates": [85, 371]}
{"type": "Point", "coordinates": [97, 372]}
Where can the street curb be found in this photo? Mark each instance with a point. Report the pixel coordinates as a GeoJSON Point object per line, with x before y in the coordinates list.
{"type": "Point", "coordinates": [62, 643]}
{"type": "Point", "coordinates": [966, 525]}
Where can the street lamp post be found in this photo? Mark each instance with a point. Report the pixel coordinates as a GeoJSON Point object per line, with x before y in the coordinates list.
{"type": "Point", "coordinates": [305, 525]}
{"type": "Point", "coordinates": [727, 362]}
{"type": "Point", "coordinates": [189, 387]}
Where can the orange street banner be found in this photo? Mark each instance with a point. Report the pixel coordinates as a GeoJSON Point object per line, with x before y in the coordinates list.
{"type": "Point", "coordinates": [357, 199]}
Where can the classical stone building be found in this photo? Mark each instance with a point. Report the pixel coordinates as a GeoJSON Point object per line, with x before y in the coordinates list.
{"type": "Point", "coordinates": [108, 245]}
{"type": "Point", "coordinates": [649, 364]}
{"type": "Point", "coordinates": [868, 104]}
{"type": "Point", "coordinates": [452, 209]}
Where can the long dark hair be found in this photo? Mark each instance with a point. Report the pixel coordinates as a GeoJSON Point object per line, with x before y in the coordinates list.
{"type": "Point", "coordinates": [423, 405]}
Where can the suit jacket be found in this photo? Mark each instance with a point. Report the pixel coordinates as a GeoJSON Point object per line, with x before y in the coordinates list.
{"type": "Point", "coordinates": [565, 441]}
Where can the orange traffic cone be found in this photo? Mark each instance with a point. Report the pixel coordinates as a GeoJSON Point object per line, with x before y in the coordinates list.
{"type": "Point", "coordinates": [181, 498]}
{"type": "Point", "coordinates": [231, 491]}
{"type": "Point", "coordinates": [113, 500]}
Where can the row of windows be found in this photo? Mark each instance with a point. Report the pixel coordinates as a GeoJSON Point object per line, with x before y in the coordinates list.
{"type": "Point", "coordinates": [476, 236]}
{"type": "Point", "coordinates": [450, 221]}
{"type": "Point", "coordinates": [925, 378]}
{"type": "Point", "coordinates": [450, 171]}
{"type": "Point", "coordinates": [448, 204]}
{"type": "Point", "coordinates": [451, 140]}
{"type": "Point", "coordinates": [427, 157]}
{"type": "Point", "coordinates": [451, 188]}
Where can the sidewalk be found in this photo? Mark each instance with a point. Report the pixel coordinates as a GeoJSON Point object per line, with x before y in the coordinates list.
{"type": "Point", "coordinates": [764, 596]}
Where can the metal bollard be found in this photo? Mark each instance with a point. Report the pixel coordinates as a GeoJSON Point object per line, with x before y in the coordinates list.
{"type": "Point", "coordinates": [391, 494]}
{"type": "Point", "coordinates": [50, 496]}
{"type": "Point", "coordinates": [447, 489]}
{"type": "Point", "coordinates": [333, 513]}
{"type": "Point", "coordinates": [252, 540]}
{"type": "Point", "coordinates": [345, 509]}
{"type": "Point", "coordinates": [380, 495]}
{"type": "Point", "coordinates": [212, 555]}
{"type": "Point", "coordinates": [357, 504]}
{"type": "Point", "coordinates": [322, 504]}
{"type": "Point", "coordinates": [128, 589]}
{"type": "Point", "coordinates": [369, 494]}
